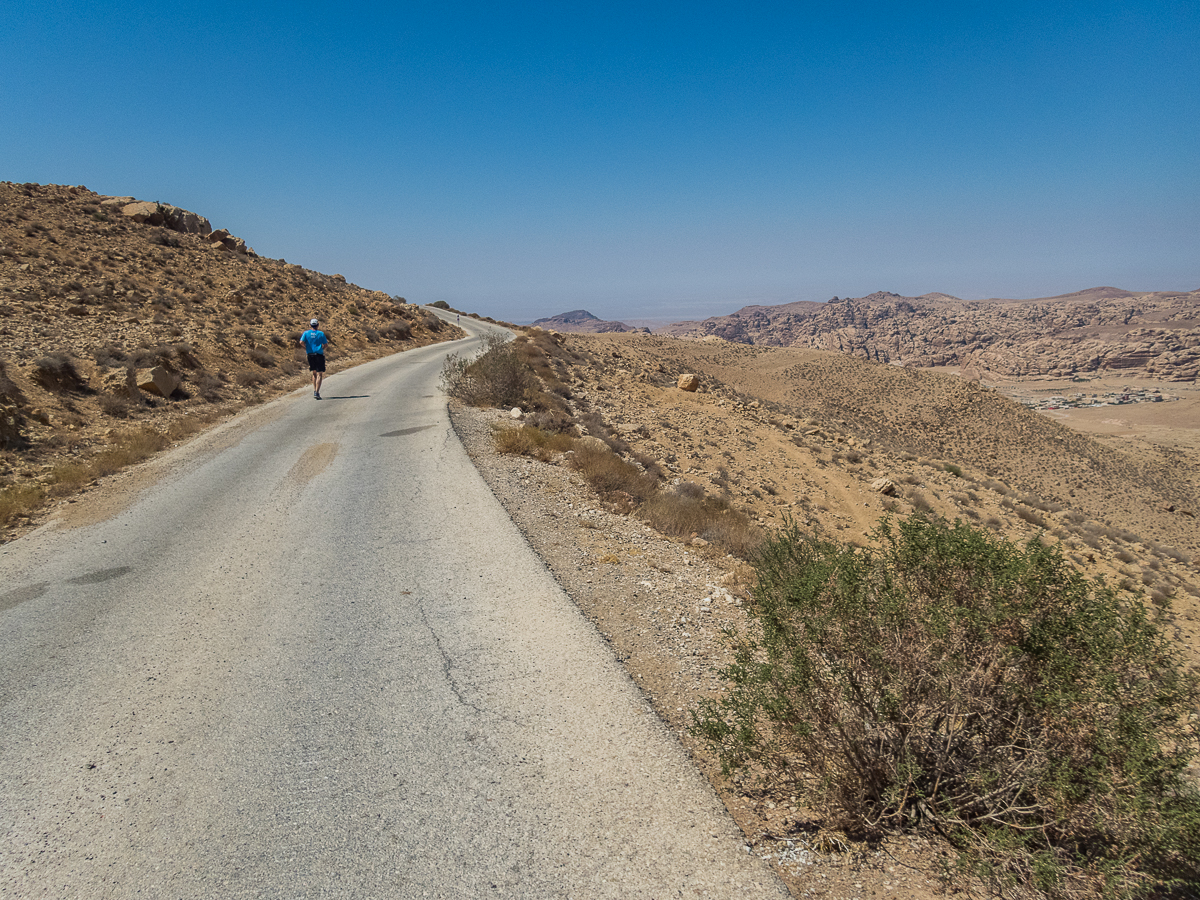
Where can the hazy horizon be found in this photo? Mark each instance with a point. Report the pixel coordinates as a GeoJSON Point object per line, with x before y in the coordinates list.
{"type": "Point", "coordinates": [657, 161]}
{"type": "Point", "coordinates": [659, 321]}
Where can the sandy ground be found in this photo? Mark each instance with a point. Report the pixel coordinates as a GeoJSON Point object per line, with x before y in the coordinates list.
{"type": "Point", "coordinates": [1174, 423]}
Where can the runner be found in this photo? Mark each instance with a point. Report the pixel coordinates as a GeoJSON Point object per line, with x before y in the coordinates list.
{"type": "Point", "coordinates": [314, 342]}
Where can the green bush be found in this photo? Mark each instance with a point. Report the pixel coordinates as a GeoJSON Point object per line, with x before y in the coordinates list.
{"type": "Point", "coordinates": [950, 679]}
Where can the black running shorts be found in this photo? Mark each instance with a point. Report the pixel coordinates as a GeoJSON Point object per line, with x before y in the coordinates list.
{"type": "Point", "coordinates": [316, 362]}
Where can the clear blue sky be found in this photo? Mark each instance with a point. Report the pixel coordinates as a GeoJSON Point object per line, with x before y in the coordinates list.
{"type": "Point", "coordinates": [644, 160]}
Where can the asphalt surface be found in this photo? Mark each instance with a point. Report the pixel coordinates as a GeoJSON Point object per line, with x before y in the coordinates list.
{"type": "Point", "coordinates": [314, 658]}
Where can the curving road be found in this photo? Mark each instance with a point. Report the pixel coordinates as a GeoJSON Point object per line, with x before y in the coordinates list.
{"type": "Point", "coordinates": [314, 658]}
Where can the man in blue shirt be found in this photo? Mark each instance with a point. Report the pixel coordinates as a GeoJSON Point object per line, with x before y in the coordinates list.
{"type": "Point", "coordinates": [314, 342]}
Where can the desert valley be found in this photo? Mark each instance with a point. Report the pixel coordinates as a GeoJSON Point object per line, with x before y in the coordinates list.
{"type": "Point", "coordinates": [1072, 420]}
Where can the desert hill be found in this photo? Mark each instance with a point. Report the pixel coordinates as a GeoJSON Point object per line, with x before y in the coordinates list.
{"type": "Point", "coordinates": [99, 295]}
{"type": "Point", "coordinates": [1099, 330]}
{"type": "Point", "coordinates": [583, 322]}
{"type": "Point", "coordinates": [808, 434]}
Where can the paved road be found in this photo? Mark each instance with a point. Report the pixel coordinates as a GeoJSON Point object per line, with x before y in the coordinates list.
{"type": "Point", "coordinates": [315, 659]}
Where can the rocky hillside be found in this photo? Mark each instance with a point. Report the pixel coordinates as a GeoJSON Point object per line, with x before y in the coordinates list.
{"type": "Point", "coordinates": [837, 442]}
{"type": "Point", "coordinates": [117, 314]}
{"type": "Point", "coordinates": [1100, 330]}
{"type": "Point", "coordinates": [581, 321]}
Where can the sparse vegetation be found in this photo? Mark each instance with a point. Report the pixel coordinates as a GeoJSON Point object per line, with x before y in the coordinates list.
{"type": "Point", "coordinates": [58, 372]}
{"type": "Point", "coordinates": [496, 377]}
{"type": "Point", "coordinates": [616, 480]}
{"type": "Point", "coordinates": [527, 440]}
{"type": "Point", "coordinates": [687, 511]}
{"type": "Point", "coordinates": [945, 678]}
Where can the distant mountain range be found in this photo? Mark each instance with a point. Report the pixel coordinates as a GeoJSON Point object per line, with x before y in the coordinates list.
{"type": "Point", "coordinates": [1098, 330]}
{"type": "Point", "coordinates": [582, 321]}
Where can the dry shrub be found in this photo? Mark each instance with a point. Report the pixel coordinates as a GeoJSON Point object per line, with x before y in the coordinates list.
{"type": "Point", "coordinates": [557, 420]}
{"type": "Point", "coordinates": [948, 678]}
{"type": "Point", "coordinates": [118, 406]}
{"type": "Point", "coordinates": [1030, 516]}
{"type": "Point", "coordinates": [19, 500]}
{"type": "Point", "coordinates": [611, 477]}
{"type": "Point", "coordinates": [919, 501]}
{"type": "Point", "coordinates": [127, 449]}
{"type": "Point", "coordinates": [57, 372]}
{"type": "Point", "coordinates": [526, 440]}
{"type": "Point", "coordinates": [686, 511]}
{"type": "Point", "coordinates": [496, 377]}
{"type": "Point", "coordinates": [397, 331]}
{"type": "Point", "coordinates": [209, 386]}
{"type": "Point", "coordinates": [262, 357]}
{"type": "Point", "coordinates": [109, 357]}
{"type": "Point", "coordinates": [598, 428]}
{"type": "Point", "coordinates": [250, 378]}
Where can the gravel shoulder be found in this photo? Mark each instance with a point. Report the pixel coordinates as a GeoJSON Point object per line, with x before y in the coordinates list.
{"type": "Point", "coordinates": [663, 608]}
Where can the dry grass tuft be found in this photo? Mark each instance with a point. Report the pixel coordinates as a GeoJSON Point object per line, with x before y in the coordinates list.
{"type": "Point", "coordinates": [527, 440]}
{"type": "Point", "coordinates": [611, 477]}
{"type": "Point", "coordinates": [19, 500]}
{"type": "Point", "coordinates": [683, 512]}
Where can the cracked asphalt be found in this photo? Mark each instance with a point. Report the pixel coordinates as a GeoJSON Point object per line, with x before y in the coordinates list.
{"type": "Point", "coordinates": [315, 658]}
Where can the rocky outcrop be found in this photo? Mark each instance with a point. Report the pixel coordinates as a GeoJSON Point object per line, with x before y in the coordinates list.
{"type": "Point", "coordinates": [148, 213]}
{"type": "Point", "coordinates": [581, 321]}
{"type": "Point", "coordinates": [1095, 331]}
{"type": "Point", "coordinates": [223, 240]}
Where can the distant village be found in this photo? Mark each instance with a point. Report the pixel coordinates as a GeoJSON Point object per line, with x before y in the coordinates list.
{"type": "Point", "coordinates": [1087, 401]}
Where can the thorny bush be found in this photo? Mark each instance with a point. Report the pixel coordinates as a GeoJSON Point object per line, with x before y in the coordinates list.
{"type": "Point", "coordinates": [950, 679]}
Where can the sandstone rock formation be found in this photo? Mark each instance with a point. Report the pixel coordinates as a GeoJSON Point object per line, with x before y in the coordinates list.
{"type": "Point", "coordinates": [223, 240]}
{"type": "Point", "coordinates": [145, 212]}
{"type": "Point", "coordinates": [1094, 331]}
{"type": "Point", "coordinates": [688, 382]}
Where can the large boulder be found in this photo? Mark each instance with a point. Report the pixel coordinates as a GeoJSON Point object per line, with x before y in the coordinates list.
{"type": "Point", "coordinates": [688, 382]}
{"type": "Point", "coordinates": [884, 486]}
{"type": "Point", "coordinates": [144, 212]}
{"type": "Point", "coordinates": [158, 381]}
{"type": "Point", "coordinates": [221, 239]}
{"type": "Point", "coordinates": [187, 222]}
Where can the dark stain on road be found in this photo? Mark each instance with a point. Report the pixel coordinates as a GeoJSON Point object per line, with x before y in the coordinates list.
{"type": "Point", "coordinates": [404, 431]}
{"type": "Point", "coordinates": [9, 599]}
{"type": "Point", "coordinates": [101, 575]}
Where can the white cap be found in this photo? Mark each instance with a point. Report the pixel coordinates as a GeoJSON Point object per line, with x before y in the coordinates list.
{"type": "Point", "coordinates": [313, 322]}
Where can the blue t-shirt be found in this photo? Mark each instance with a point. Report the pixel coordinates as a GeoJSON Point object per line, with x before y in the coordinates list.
{"type": "Point", "coordinates": [314, 341]}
